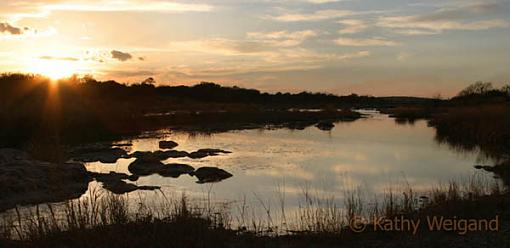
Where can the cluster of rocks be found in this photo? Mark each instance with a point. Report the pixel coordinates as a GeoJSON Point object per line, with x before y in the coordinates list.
{"type": "Point", "coordinates": [110, 155]}
{"type": "Point", "coordinates": [101, 152]}
{"type": "Point", "coordinates": [24, 180]}
{"type": "Point", "coordinates": [116, 182]}
{"type": "Point", "coordinates": [150, 163]}
{"type": "Point", "coordinates": [147, 163]}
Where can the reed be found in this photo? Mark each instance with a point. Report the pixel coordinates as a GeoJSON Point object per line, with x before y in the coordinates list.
{"type": "Point", "coordinates": [101, 217]}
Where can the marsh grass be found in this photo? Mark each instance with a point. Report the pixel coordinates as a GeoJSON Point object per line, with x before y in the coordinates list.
{"type": "Point", "coordinates": [103, 217]}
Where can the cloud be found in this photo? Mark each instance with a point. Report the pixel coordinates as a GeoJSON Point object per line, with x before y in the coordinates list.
{"type": "Point", "coordinates": [17, 10]}
{"type": "Point", "coordinates": [323, 1]}
{"type": "Point", "coordinates": [411, 32]}
{"type": "Point", "coordinates": [414, 25]}
{"type": "Point", "coordinates": [130, 73]}
{"type": "Point", "coordinates": [129, 5]}
{"type": "Point", "coordinates": [255, 43]}
{"type": "Point", "coordinates": [224, 57]}
{"type": "Point", "coordinates": [282, 38]}
{"type": "Point", "coordinates": [121, 56]}
{"type": "Point", "coordinates": [352, 26]}
{"type": "Point", "coordinates": [315, 16]}
{"type": "Point", "coordinates": [59, 58]}
{"type": "Point", "coordinates": [365, 42]}
{"type": "Point", "coordinates": [7, 28]}
{"type": "Point", "coordinates": [360, 54]}
{"type": "Point", "coordinates": [460, 18]}
{"type": "Point", "coordinates": [302, 55]}
{"type": "Point", "coordinates": [220, 46]}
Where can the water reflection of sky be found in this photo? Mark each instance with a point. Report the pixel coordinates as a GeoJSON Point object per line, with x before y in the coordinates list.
{"type": "Point", "coordinates": [372, 153]}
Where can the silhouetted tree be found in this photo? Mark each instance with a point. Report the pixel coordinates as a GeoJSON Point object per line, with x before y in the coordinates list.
{"type": "Point", "coordinates": [478, 88]}
{"type": "Point", "coordinates": [149, 80]}
{"type": "Point", "coordinates": [506, 89]}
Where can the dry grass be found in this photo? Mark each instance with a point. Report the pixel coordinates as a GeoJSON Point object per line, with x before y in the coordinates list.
{"type": "Point", "coordinates": [180, 220]}
{"type": "Point", "coordinates": [476, 126]}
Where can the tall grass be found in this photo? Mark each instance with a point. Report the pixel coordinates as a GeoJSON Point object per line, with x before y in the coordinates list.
{"type": "Point", "coordinates": [196, 221]}
{"type": "Point", "coordinates": [471, 127]}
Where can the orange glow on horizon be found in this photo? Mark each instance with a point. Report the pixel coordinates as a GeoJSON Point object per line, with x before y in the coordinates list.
{"type": "Point", "coordinates": [54, 69]}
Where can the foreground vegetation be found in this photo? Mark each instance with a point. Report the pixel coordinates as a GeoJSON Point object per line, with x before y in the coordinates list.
{"type": "Point", "coordinates": [477, 118]}
{"type": "Point", "coordinates": [106, 220]}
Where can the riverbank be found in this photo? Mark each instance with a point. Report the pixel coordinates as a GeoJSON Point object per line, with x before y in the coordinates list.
{"type": "Point", "coordinates": [78, 110]}
{"type": "Point", "coordinates": [107, 220]}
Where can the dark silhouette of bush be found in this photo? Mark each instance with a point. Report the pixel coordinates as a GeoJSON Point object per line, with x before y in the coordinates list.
{"type": "Point", "coordinates": [33, 107]}
{"type": "Point", "coordinates": [480, 93]}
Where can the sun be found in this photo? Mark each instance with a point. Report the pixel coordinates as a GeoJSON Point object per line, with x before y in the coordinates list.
{"type": "Point", "coordinates": [54, 69]}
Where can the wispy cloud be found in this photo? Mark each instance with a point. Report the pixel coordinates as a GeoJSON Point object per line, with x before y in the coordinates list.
{"type": "Point", "coordinates": [59, 58]}
{"type": "Point", "coordinates": [323, 1]}
{"type": "Point", "coordinates": [352, 26]}
{"type": "Point", "coordinates": [129, 5]}
{"type": "Point", "coordinates": [365, 42]}
{"type": "Point", "coordinates": [315, 16]}
{"type": "Point", "coordinates": [17, 10]}
{"type": "Point", "coordinates": [284, 60]}
{"type": "Point", "coordinates": [235, 57]}
{"type": "Point", "coordinates": [414, 25]}
{"type": "Point", "coordinates": [282, 38]}
{"type": "Point", "coordinates": [220, 46]}
{"type": "Point", "coordinates": [255, 43]}
{"type": "Point", "coordinates": [460, 18]}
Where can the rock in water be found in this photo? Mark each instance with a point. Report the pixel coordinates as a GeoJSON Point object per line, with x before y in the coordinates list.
{"type": "Point", "coordinates": [175, 170]}
{"type": "Point", "coordinates": [167, 144]}
{"type": "Point", "coordinates": [325, 125]}
{"type": "Point", "coordinates": [161, 155]}
{"type": "Point", "coordinates": [202, 153]}
{"type": "Point", "coordinates": [113, 182]}
{"type": "Point", "coordinates": [121, 187]}
{"type": "Point", "coordinates": [146, 165]}
{"type": "Point", "coordinates": [212, 151]}
{"type": "Point", "coordinates": [210, 174]}
{"type": "Point", "coordinates": [104, 155]}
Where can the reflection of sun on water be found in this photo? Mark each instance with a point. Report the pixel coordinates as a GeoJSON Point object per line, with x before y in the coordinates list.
{"type": "Point", "coordinates": [54, 69]}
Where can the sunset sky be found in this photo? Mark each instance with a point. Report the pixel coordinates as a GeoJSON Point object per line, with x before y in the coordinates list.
{"type": "Point", "coordinates": [377, 47]}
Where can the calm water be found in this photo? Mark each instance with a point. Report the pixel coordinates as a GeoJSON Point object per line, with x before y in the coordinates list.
{"type": "Point", "coordinates": [372, 154]}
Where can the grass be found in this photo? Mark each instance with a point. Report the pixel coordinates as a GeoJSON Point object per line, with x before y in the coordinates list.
{"type": "Point", "coordinates": [472, 127]}
{"type": "Point", "coordinates": [102, 219]}
{"type": "Point", "coordinates": [482, 127]}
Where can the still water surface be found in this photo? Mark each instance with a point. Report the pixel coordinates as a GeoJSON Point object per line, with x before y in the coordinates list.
{"type": "Point", "coordinates": [371, 154]}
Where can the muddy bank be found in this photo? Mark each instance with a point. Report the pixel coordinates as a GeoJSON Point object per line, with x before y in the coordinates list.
{"type": "Point", "coordinates": [24, 180]}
